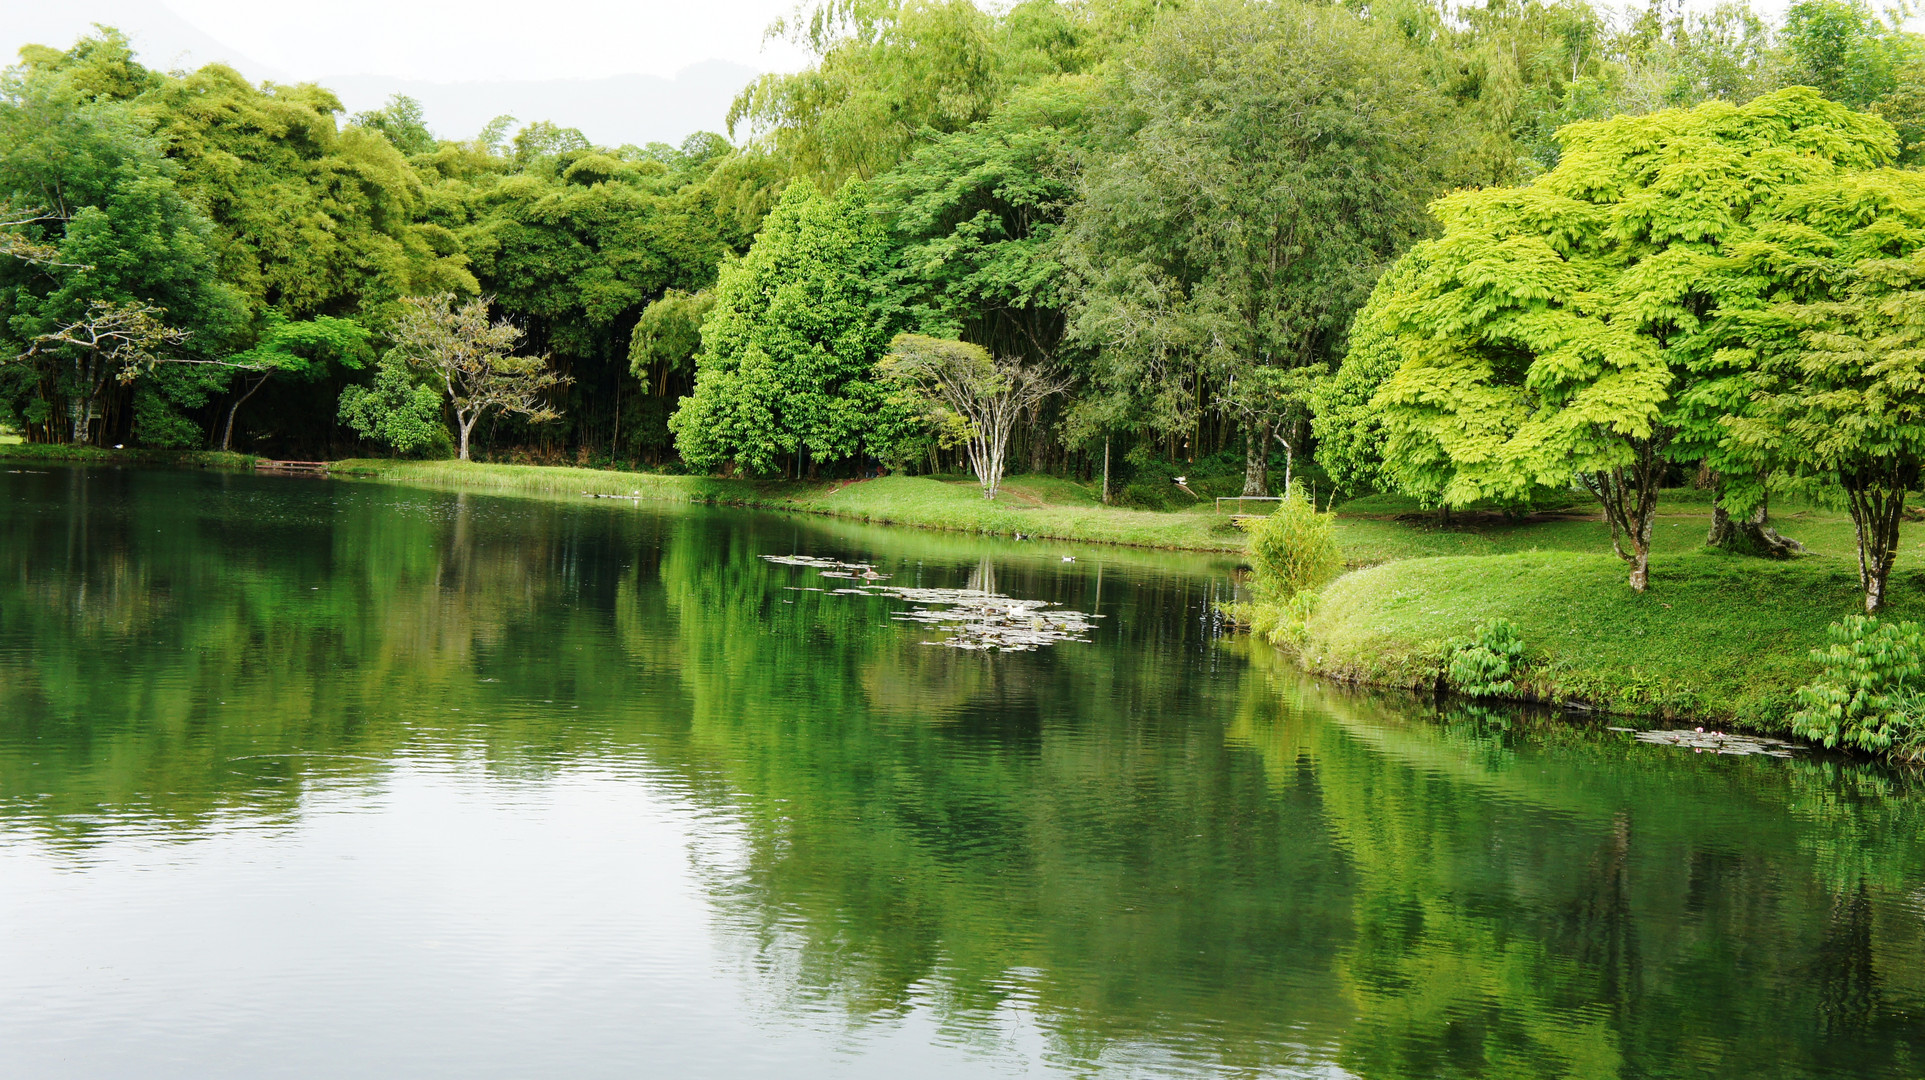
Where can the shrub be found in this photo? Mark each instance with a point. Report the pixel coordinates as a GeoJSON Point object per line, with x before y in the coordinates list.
{"type": "Point", "coordinates": [1293, 549]}
{"type": "Point", "coordinates": [1869, 694]}
{"type": "Point", "coordinates": [1482, 667]}
{"type": "Point", "coordinates": [395, 411]}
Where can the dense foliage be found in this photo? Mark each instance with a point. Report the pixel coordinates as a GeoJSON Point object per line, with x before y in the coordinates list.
{"type": "Point", "coordinates": [1483, 666]}
{"type": "Point", "coordinates": [1868, 695]}
{"type": "Point", "coordinates": [1293, 549]}
{"type": "Point", "coordinates": [1674, 245]}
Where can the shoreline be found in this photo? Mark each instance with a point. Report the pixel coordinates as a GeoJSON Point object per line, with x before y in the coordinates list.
{"type": "Point", "coordinates": [900, 501]}
{"type": "Point", "coordinates": [1718, 639]}
{"type": "Point", "coordinates": [1040, 508]}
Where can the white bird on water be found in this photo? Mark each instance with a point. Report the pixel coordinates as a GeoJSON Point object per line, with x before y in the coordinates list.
{"type": "Point", "coordinates": [1069, 558]}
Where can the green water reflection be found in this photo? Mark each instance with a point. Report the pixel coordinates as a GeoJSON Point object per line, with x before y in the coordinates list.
{"type": "Point", "coordinates": [1154, 853]}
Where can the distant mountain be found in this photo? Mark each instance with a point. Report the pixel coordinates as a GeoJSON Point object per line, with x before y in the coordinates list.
{"type": "Point", "coordinates": [611, 111]}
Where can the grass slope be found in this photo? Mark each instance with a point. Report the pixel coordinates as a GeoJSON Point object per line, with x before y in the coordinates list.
{"type": "Point", "coordinates": [1718, 636]}
{"type": "Point", "coordinates": [1035, 506]}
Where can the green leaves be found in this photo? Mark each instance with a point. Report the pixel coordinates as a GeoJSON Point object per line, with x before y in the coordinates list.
{"type": "Point", "coordinates": [1293, 550]}
{"type": "Point", "coordinates": [308, 347]}
{"type": "Point", "coordinates": [1551, 327]}
{"type": "Point", "coordinates": [1260, 164]}
{"type": "Point", "coordinates": [1483, 666]}
{"type": "Point", "coordinates": [1869, 694]}
{"type": "Point", "coordinates": [395, 410]}
{"type": "Point", "coordinates": [789, 349]}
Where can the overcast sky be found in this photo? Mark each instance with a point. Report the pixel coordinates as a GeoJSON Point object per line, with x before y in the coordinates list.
{"type": "Point", "coordinates": [435, 40]}
{"type": "Point", "coordinates": [366, 49]}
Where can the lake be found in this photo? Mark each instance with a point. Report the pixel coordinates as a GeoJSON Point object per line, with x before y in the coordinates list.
{"type": "Point", "coordinates": [314, 778]}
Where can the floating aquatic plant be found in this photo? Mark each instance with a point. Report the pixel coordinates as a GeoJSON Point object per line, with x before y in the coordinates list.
{"type": "Point", "coordinates": [1718, 742]}
{"type": "Point", "coordinates": [973, 619]}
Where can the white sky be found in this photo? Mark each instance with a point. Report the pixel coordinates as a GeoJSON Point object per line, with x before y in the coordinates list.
{"type": "Point", "coordinates": [478, 39]}
{"type": "Point", "coordinates": [607, 67]}
{"type": "Point", "coordinates": [431, 40]}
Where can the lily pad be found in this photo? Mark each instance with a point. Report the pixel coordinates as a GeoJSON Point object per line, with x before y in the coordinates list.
{"type": "Point", "coordinates": [970, 618]}
{"type": "Point", "coordinates": [1718, 742]}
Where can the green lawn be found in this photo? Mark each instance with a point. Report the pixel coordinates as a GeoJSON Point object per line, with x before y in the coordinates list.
{"type": "Point", "coordinates": [1718, 636]}
{"type": "Point", "coordinates": [1038, 506]}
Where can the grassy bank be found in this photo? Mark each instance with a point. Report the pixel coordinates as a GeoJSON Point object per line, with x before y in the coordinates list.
{"type": "Point", "coordinates": [1031, 505]}
{"type": "Point", "coordinates": [1717, 637]}
{"type": "Point", "coordinates": [200, 459]}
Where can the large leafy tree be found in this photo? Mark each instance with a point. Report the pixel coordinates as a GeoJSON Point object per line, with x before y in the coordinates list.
{"type": "Point", "coordinates": [116, 251]}
{"type": "Point", "coordinates": [1840, 348]}
{"type": "Point", "coordinates": [1346, 422]}
{"type": "Point", "coordinates": [787, 368]}
{"type": "Point", "coordinates": [302, 218]}
{"type": "Point", "coordinates": [892, 73]}
{"type": "Point", "coordinates": [1568, 329]}
{"type": "Point", "coordinates": [976, 215]}
{"type": "Point", "coordinates": [1266, 162]}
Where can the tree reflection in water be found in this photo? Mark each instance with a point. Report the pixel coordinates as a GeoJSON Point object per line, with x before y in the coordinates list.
{"type": "Point", "coordinates": [1166, 852]}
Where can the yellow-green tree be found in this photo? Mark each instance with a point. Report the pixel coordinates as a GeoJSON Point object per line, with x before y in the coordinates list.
{"type": "Point", "coordinates": [1570, 328]}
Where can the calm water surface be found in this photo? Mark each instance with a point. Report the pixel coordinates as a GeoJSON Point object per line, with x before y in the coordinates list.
{"type": "Point", "coordinates": [318, 779]}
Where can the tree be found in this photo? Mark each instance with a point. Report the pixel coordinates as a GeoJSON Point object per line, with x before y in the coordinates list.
{"type": "Point", "coordinates": [310, 218]}
{"type": "Point", "coordinates": [976, 216]}
{"type": "Point", "coordinates": [1566, 329]}
{"type": "Point", "coordinates": [473, 358]}
{"type": "Point", "coordinates": [787, 367]}
{"type": "Point", "coordinates": [113, 342]}
{"type": "Point", "coordinates": [967, 393]}
{"type": "Point", "coordinates": [575, 242]}
{"type": "Point", "coordinates": [1276, 400]}
{"type": "Point", "coordinates": [1844, 51]}
{"type": "Point", "coordinates": [1344, 419]}
{"type": "Point", "coordinates": [402, 123]}
{"type": "Point", "coordinates": [301, 350]}
{"type": "Point", "coordinates": [1843, 397]}
{"type": "Point", "coordinates": [886, 75]}
{"type": "Point", "coordinates": [1269, 160]}
{"type": "Point", "coordinates": [114, 274]}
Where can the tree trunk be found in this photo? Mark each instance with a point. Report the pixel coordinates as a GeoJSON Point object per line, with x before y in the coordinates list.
{"type": "Point", "coordinates": [227, 432]}
{"type": "Point", "coordinates": [1256, 459]}
{"type": "Point", "coordinates": [1630, 497]}
{"type": "Point", "coordinates": [80, 410]}
{"type": "Point", "coordinates": [1106, 470]}
{"type": "Point", "coordinates": [1876, 495]}
{"type": "Point", "coordinates": [467, 424]}
{"type": "Point", "coordinates": [1750, 534]}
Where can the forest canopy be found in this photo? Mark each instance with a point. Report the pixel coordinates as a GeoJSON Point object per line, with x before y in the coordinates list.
{"type": "Point", "coordinates": [1175, 211]}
